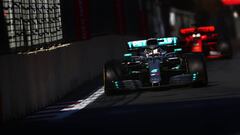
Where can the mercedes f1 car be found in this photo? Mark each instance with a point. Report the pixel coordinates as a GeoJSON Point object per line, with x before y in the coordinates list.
{"type": "Point", "coordinates": [154, 63]}
{"type": "Point", "coordinates": [205, 40]}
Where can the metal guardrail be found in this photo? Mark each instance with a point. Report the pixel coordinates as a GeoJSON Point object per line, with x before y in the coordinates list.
{"type": "Point", "coordinates": [32, 24]}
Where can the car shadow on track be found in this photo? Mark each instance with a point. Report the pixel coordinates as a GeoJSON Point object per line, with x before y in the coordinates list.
{"type": "Point", "coordinates": [162, 89]}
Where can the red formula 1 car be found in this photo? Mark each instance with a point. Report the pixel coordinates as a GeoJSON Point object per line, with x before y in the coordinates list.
{"type": "Point", "coordinates": [205, 40]}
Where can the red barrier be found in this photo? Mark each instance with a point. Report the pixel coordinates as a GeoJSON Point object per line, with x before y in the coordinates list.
{"type": "Point", "coordinates": [82, 19]}
{"type": "Point", "coordinates": [121, 27]}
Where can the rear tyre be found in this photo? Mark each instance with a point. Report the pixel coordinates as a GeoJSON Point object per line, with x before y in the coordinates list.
{"type": "Point", "coordinates": [197, 67]}
{"type": "Point", "coordinates": [111, 73]}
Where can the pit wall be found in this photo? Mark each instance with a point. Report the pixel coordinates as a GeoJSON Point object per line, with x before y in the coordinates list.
{"type": "Point", "coordinates": [30, 82]}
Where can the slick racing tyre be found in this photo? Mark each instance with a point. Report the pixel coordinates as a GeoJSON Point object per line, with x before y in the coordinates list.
{"type": "Point", "coordinates": [196, 66]}
{"type": "Point", "coordinates": [111, 73]}
{"type": "Point", "coordinates": [226, 49]}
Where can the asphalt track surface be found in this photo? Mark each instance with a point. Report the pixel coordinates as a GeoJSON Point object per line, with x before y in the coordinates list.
{"type": "Point", "coordinates": [214, 109]}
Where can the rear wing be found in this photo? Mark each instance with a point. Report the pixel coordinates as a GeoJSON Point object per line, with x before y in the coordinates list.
{"type": "Point", "coordinates": [205, 29]}
{"type": "Point", "coordinates": [168, 41]}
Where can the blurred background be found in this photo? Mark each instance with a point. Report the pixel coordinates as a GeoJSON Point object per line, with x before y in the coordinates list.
{"type": "Point", "coordinates": [143, 17]}
{"type": "Point", "coordinates": [51, 47]}
{"type": "Point", "coordinates": [75, 20]}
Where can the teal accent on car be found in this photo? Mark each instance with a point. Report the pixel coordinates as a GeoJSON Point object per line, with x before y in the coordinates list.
{"type": "Point", "coordinates": [128, 55]}
{"type": "Point", "coordinates": [178, 50]}
{"type": "Point", "coordinates": [137, 44]}
{"type": "Point", "coordinates": [168, 41]}
{"type": "Point", "coordinates": [117, 84]}
{"type": "Point", "coordinates": [154, 71]}
{"type": "Point", "coordinates": [195, 75]}
{"type": "Point", "coordinates": [162, 42]}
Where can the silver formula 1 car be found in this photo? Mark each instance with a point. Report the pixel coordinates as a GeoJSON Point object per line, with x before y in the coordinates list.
{"type": "Point", "coordinates": [154, 63]}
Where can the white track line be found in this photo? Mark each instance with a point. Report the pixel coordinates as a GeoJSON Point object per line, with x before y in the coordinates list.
{"type": "Point", "coordinates": [69, 110]}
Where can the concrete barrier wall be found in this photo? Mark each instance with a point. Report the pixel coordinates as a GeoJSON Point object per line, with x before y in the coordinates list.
{"type": "Point", "coordinates": [29, 82]}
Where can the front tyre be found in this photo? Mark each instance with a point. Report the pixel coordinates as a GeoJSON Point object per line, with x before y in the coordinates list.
{"type": "Point", "coordinates": [196, 66]}
{"type": "Point", "coordinates": [111, 73]}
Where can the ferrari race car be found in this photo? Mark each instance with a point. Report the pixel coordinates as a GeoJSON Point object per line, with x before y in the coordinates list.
{"type": "Point", "coordinates": [154, 63]}
{"type": "Point", "coordinates": [205, 40]}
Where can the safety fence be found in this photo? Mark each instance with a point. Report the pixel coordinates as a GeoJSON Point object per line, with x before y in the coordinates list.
{"type": "Point", "coordinates": [31, 24]}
